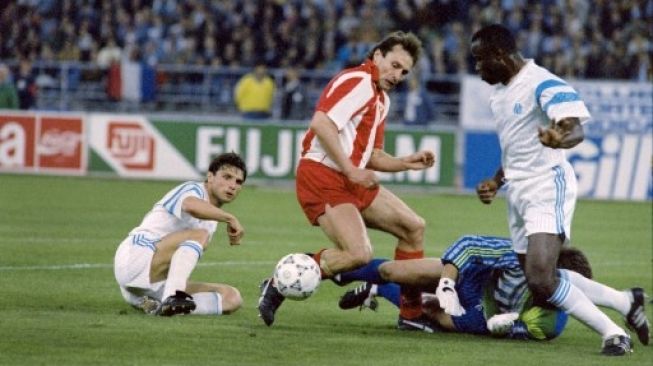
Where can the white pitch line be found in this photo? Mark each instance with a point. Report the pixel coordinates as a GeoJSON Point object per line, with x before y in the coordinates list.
{"type": "Point", "coordinates": [59, 267]}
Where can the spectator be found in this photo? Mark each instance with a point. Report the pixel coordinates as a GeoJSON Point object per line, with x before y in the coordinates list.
{"type": "Point", "coordinates": [417, 111]}
{"type": "Point", "coordinates": [26, 84]}
{"type": "Point", "coordinates": [294, 99]}
{"type": "Point", "coordinates": [8, 95]}
{"type": "Point", "coordinates": [109, 53]}
{"type": "Point", "coordinates": [254, 93]}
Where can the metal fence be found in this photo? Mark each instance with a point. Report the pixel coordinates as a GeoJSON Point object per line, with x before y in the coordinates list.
{"type": "Point", "coordinates": [75, 86]}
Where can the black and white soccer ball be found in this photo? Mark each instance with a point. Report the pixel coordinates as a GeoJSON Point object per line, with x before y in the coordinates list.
{"type": "Point", "coordinates": [297, 276]}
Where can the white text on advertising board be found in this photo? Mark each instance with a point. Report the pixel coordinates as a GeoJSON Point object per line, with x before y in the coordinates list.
{"type": "Point", "coordinates": [277, 155]}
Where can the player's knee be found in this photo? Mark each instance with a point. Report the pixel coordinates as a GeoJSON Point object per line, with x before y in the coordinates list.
{"type": "Point", "coordinates": [360, 257]}
{"type": "Point", "coordinates": [231, 301]}
{"type": "Point", "coordinates": [199, 235]}
{"type": "Point", "coordinates": [542, 286]}
{"type": "Point", "coordinates": [386, 272]}
{"type": "Point", "coordinates": [415, 230]}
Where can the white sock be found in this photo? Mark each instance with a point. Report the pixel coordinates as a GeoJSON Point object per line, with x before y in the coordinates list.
{"type": "Point", "coordinates": [599, 293]}
{"type": "Point", "coordinates": [574, 302]}
{"type": "Point", "coordinates": [208, 303]}
{"type": "Point", "coordinates": [181, 266]}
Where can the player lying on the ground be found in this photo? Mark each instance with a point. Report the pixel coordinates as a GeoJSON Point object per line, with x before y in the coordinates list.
{"type": "Point", "coordinates": [154, 262]}
{"type": "Point", "coordinates": [479, 278]}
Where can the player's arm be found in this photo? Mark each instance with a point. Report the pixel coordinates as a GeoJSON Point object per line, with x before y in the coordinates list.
{"type": "Point", "coordinates": [383, 162]}
{"type": "Point", "coordinates": [203, 210]}
{"type": "Point", "coordinates": [563, 134]}
{"type": "Point", "coordinates": [446, 291]}
{"type": "Point", "coordinates": [487, 189]}
{"type": "Point", "coordinates": [327, 133]}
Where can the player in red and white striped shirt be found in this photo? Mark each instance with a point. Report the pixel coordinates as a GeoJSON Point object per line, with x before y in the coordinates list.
{"type": "Point", "coordinates": [336, 184]}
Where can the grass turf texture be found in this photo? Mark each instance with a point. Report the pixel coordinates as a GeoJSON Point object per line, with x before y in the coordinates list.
{"type": "Point", "coordinates": [60, 304]}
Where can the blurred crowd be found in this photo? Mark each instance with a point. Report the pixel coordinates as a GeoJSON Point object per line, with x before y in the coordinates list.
{"type": "Point", "coordinates": [607, 39]}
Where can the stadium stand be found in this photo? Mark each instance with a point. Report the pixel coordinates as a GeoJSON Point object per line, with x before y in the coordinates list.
{"type": "Point", "coordinates": [191, 52]}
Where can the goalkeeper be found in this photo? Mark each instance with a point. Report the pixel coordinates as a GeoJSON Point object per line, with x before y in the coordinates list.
{"type": "Point", "coordinates": [479, 278]}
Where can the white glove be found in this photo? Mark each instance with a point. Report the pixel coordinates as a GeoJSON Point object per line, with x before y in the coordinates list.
{"type": "Point", "coordinates": [501, 324]}
{"type": "Point", "coordinates": [448, 297]}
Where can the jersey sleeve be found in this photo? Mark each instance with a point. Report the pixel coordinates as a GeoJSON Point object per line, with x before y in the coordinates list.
{"type": "Point", "coordinates": [172, 202]}
{"type": "Point", "coordinates": [344, 97]}
{"type": "Point", "coordinates": [559, 100]}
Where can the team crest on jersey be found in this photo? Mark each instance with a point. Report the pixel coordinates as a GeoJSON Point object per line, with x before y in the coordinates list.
{"type": "Point", "coordinates": [518, 108]}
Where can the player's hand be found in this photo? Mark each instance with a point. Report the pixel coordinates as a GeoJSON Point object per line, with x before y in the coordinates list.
{"type": "Point", "coordinates": [448, 297]}
{"type": "Point", "coordinates": [420, 160]}
{"type": "Point", "coordinates": [486, 190]}
{"type": "Point", "coordinates": [501, 324]}
{"type": "Point", "coordinates": [553, 135]}
{"type": "Point", "coordinates": [364, 177]}
{"type": "Point", "coordinates": [235, 231]}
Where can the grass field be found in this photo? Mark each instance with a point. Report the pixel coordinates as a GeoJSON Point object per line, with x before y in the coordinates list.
{"type": "Point", "coordinates": [60, 304]}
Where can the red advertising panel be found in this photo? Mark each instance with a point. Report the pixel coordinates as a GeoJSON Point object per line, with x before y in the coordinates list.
{"type": "Point", "coordinates": [60, 143]}
{"type": "Point", "coordinates": [17, 141]}
{"type": "Point", "coordinates": [42, 142]}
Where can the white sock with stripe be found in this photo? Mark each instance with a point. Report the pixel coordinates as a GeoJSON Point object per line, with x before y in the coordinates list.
{"type": "Point", "coordinates": [601, 294]}
{"type": "Point", "coordinates": [181, 266]}
{"type": "Point", "coordinates": [208, 303]}
{"type": "Point", "coordinates": [574, 302]}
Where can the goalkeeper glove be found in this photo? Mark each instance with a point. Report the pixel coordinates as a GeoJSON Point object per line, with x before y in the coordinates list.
{"type": "Point", "coordinates": [448, 297]}
{"type": "Point", "coordinates": [501, 324]}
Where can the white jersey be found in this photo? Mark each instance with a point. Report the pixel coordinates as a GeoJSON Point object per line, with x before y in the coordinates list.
{"type": "Point", "coordinates": [533, 98]}
{"type": "Point", "coordinates": [167, 217]}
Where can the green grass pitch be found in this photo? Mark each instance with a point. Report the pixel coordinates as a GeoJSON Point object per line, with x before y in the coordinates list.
{"type": "Point", "coordinates": [60, 305]}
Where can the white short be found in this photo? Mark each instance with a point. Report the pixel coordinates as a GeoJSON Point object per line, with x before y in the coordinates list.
{"type": "Point", "coordinates": [131, 268]}
{"type": "Point", "coordinates": [543, 204]}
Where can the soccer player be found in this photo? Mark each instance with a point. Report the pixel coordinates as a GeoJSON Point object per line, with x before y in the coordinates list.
{"type": "Point", "coordinates": [336, 185]}
{"type": "Point", "coordinates": [538, 115]}
{"type": "Point", "coordinates": [479, 278]}
{"type": "Point", "coordinates": [153, 264]}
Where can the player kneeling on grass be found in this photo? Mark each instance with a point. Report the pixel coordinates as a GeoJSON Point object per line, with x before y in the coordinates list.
{"type": "Point", "coordinates": [153, 264]}
{"type": "Point", "coordinates": [479, 278]}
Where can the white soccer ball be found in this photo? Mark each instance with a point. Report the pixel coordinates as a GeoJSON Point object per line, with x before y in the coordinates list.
{"type": "Point", "coordinates": [297, 276]}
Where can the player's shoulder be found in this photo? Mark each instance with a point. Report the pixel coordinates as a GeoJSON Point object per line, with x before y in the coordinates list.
{"type": "Point", "coordinates": [192, 187]}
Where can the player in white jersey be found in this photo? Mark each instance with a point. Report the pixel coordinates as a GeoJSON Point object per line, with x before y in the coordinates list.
{"type": "Point", "coordinates": [154, 263]}
{"type": "Point", "coordinates": [538, 115]}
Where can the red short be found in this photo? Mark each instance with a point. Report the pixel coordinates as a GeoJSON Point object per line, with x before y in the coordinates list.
{"type": "Point", "coordinates": [318, 185]}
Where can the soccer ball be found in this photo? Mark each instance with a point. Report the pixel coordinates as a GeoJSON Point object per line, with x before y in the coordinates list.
{"type": "Point", "coordinates": [297, 276]}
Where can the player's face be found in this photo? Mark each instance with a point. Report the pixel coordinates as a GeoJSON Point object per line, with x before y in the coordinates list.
{"type": "Point", "coordinates": [393, 67]}
{"type": "Point", "coordinates": [225, 184]}
{"type": "Point", "coordinates": [489, 64]}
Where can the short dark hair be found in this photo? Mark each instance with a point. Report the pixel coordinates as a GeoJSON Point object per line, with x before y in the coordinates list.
{"type": "Point", "coordinates": [230, 158]}
{"type": "Point", "coordinates": [574, 260]}
{"type": "Point", "coordinates": [408, 41]}
{"type": "Point", "coordinates": [497, 36]}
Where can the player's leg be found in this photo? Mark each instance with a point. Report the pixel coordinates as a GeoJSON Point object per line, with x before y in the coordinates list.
{"type": "Point", "coordinates": [175, 259]}
{"type": "Point", "coordinates": [132, 271]}
{"type": "Point", "coordinates": [630, 303]}
{"type": "Point", "coordinates": [559, 291]}
{"type": "Point", "coordinates": [344, 226]}
{"type": "Point", "coordinates": [390, 214]}
{"type": "Point", "coordinates": [545, 205]}
{"type": "Point", "coordinates": [416, 272]}
{"type": "Point", "coordinates": [214, 298]}
{"type": "Point", "coordinates": [382, 277]}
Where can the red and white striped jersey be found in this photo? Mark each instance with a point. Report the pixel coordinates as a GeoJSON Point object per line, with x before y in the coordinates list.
{"type": "Point", "coordinates": [358, 108]}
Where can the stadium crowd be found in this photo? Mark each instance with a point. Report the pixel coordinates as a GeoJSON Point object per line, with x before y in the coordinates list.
{"type": "Point", "coordinates": [606, 39]}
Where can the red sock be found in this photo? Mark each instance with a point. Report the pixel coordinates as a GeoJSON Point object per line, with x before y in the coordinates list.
{"type": "Point", "coordinates": [318, 256]}
{"type": "Point", "coordinates": [410, 305]}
